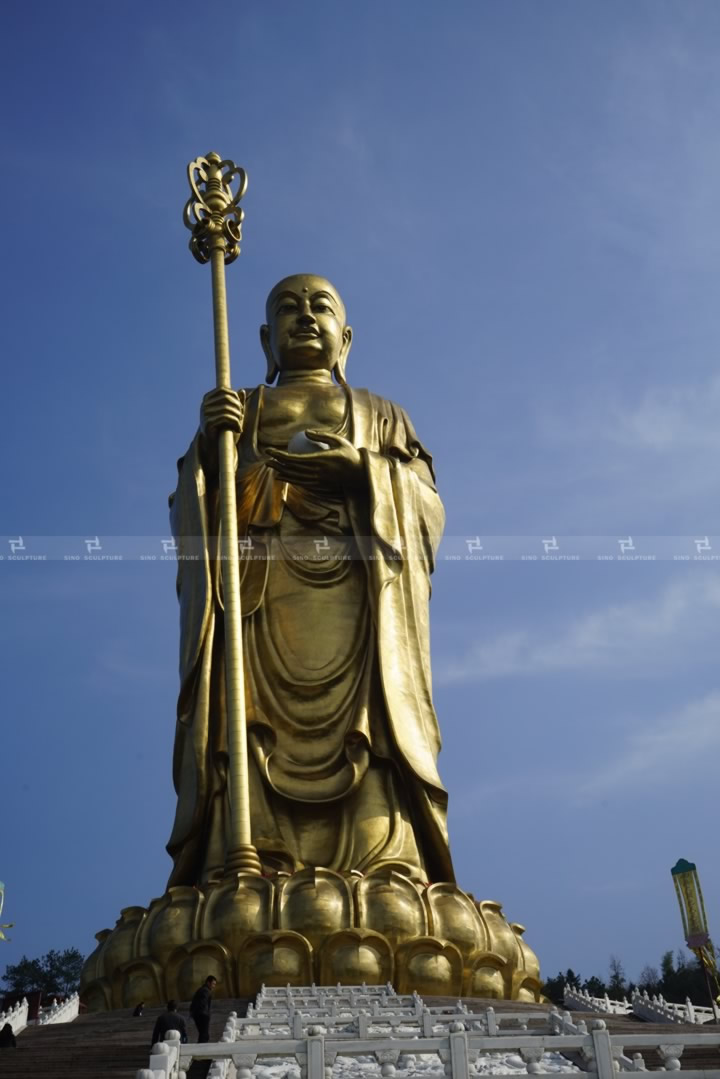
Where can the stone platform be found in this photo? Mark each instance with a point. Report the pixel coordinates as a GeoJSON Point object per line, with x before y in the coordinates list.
{"type": "Point", "coordinates": [311, 926]}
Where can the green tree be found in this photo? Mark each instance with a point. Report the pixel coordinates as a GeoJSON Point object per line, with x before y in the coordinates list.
{"type": "Point", "coordinates": [595, 986]}
{"type": "Point", "coordinates": [553, 988]}
{"type": "Point", "coordinates": [54, 974]}
{"type": "Point", "coordinates": [616, 985]}
{"type": "Point", "coordinates": [649, 980]}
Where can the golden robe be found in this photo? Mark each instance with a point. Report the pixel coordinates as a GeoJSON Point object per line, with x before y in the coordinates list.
{"type": "Point", "coordinates": [342, 735]}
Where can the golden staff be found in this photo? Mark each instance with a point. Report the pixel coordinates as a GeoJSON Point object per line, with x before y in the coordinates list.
{"type": "Point", "coordinates": [213, 216]}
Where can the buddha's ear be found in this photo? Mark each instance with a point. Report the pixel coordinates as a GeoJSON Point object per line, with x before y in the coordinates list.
{"type": "Point", "coordinates": [272, 367]}
{"type": "Point", "coordinates": [341, 362]}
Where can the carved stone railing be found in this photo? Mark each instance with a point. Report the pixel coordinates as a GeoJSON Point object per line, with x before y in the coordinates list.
{"type": "Point", "coordinates": [274, 992]}
{"type": "Point", "coordinates": [462, 1040]}
{"type": "Point", "coordinates": [603, 1054]}
{"type": "Point", "coordinates": [653, 1009]}
{"type": "Point", "coordinates": [60, 1013]}
{"type": "Point", "coordinates": [656, 1009]}
{"type": "Point", "coordinates": [376, 998]}
{"type": "Point", "coordinates": [16, 1016]}
{"type": "Point", "coordinates": [361, 1025]}
{"type": "Point", "coordinates": [579, 1000]}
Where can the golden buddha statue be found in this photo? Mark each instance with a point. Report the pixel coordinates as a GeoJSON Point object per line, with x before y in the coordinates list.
{"type": "Point", "coordinates": [339, 522]}
{"type": "Point", "coordinates": [342, 735]}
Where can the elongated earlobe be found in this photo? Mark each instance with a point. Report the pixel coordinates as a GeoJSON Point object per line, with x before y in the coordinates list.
{"type": "Point", "coordinates": [272, 373]}
{"type": "Point", "coordinates": [272, 368]}
{"type": "Point", "coordinates": [341, 364]}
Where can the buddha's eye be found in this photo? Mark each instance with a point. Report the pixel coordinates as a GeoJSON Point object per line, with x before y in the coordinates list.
{"type": "Point", "coordinates": [322, 307]}
{"type": "Point", "coordinates": [287, 308]}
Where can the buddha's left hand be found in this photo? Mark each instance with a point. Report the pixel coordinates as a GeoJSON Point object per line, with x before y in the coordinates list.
{"type": "Point", "coordinates": [341, 466]}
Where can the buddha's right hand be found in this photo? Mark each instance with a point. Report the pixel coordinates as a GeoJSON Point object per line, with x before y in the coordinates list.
{"type": "Point", "coordinates": [221, 410]}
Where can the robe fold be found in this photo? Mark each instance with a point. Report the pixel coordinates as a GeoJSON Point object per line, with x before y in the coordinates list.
{"type": "Point", "coordinates": [342, 735]}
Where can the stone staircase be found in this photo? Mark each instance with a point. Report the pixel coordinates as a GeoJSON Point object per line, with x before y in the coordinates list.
{"type": "Point", "coordinates": [100, 1045]}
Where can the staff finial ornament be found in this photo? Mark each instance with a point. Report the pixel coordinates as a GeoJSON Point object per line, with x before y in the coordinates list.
{"type": "Point", "coordinates": [212, 213]}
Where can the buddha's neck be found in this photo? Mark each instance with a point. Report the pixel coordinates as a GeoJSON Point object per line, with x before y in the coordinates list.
{"type": "Point", "coordinates": [320, 376]}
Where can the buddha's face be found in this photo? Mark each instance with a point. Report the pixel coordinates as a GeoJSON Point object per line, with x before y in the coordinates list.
{"type": "Point", "coordinates": [305, 328]}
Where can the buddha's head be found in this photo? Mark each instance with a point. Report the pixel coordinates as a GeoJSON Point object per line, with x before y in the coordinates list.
{"type": "Point", "coordinates": [305, 328]}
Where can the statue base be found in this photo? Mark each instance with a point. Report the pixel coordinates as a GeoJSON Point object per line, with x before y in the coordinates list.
{"type": "Point", "coordinates": [311, 926]}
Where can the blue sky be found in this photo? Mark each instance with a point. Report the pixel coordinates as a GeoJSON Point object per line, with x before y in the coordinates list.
{"type": "Point", "coordinates": [519, 202]}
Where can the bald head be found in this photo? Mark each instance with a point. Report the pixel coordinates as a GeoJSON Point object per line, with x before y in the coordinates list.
{"type": "Point", "coordinates": [306, 327]}
{"type": "Point", "coordinates": [304, 284]}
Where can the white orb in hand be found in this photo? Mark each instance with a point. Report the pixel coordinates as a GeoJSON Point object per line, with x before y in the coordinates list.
{"type": "Point", "coordinates": [300, 443]}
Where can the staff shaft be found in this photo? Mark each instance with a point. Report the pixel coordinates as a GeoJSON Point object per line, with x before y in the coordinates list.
{"type": "Point", "coordinates": [240, 854]}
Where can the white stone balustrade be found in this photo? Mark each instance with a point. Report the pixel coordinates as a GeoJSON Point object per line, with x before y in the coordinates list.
{"type": "Point", "coordinates": [363, 1024]}
{"type": "Point", "coordinates": [312, 990]}
{"type": "Point", "coordinates": [322, 1002]}
{"type": "Point", "coordinates": [579, 1000]}
{"type": "Point", "coordinates": [16, 1016]}
{"type": "Point", "coordinates": [603, 1053]}
{"type": "Point", "coordinates": [656, 1009]}
{"type": "Point", "coordinates": [461, 1050]}
{"type": "Point", "coordinates": [165, 1059]}
{"type": "Point", "coordinates": [60, 1013]}
{"type": "Point", "coordinates": [653, 1009]}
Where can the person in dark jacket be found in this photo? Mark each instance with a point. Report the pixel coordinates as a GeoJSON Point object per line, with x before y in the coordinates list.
{"type": "Point", "coordinates": [169, 1020]}
{"type": "Point", "coordinates": [200, 1008]}
{"type": "Point", "coordinates": [7, 1038]}
{"type": "Point", "coordinates": [139, 1008]}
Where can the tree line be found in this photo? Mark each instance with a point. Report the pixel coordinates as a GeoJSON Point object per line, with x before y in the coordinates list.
{"type": "Point", "coordinates": [56, 974]}
{"type": "Point", "coordinates": [677, 978]}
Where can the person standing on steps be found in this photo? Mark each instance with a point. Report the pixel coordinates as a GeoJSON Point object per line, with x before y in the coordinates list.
{"type": "Point", "coordinates": [7, 1037]}
{"type": "Point", "coordinates": [169, 1020]}
{"type": "Point", "coordinates": [200, 1008]}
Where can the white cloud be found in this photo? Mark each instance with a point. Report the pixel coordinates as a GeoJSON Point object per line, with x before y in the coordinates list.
{"type": "Point", "coordinates": [666, 420]}
{"type": "Point", "coordinates": [643, 464]}
{"type": "Point", "coordinates": [673, 746]}
{"type": "Point", "coordinates": [670, 419]}
{"type": "Point", "coordinates": [660, 634]}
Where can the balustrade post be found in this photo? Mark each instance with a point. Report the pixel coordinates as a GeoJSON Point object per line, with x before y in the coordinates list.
{"type": "Point", "coordinates": [315, 1049]}
{"type": "Point", "coordinates": [671, 1056]}
{"type": "Point", "coordinates": [459, 1051]}
{"type": "Point", "coordinates": [603, 1050]}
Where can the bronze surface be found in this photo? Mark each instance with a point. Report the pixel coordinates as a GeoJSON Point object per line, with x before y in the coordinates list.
{"type": "Point", "coordinates": [339, 519]}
